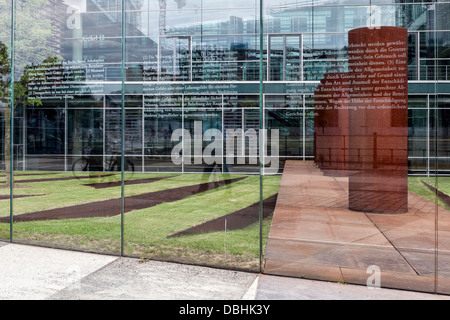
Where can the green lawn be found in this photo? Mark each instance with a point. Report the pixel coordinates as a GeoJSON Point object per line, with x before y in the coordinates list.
{"type": "Point", "coordinates": [443, 184]}
{"type": "Point", "coordinates": [146, 230]}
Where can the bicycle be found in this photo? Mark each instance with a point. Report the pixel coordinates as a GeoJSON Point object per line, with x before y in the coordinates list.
{"type": "Point", "coordinates": [94, 164]}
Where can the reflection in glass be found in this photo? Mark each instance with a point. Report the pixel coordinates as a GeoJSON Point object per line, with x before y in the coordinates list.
{"type": "Point", "coordinates": [68, 58]}
{"type": "Point", "coordinates": [5, 117]}
{"type": "Point", "coordinates": [183, 179]}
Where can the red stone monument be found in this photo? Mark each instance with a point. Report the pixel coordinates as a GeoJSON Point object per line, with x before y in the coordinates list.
{"type": "Point", "coordinates": [378, 120]}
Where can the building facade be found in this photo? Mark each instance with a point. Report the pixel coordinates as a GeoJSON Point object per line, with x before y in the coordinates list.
{"type": "Point", "coordinates": [173, 50]}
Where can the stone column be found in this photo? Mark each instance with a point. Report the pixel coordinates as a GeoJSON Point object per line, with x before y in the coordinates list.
{"type": "Point", "coordinates": [378, 120]}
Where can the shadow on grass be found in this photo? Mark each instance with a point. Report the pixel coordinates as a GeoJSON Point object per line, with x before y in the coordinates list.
{"type": "Point", "coordinates": [110, 208]}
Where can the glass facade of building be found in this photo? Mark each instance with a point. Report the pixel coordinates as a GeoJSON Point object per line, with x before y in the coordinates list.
{"type": "Point", "coordinates": [171, 130]}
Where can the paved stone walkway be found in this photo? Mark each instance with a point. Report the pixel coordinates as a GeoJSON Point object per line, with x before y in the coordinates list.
{"type": "Point", "coordinates": [314, 235]}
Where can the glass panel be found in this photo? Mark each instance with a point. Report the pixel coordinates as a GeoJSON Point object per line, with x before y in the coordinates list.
{"type": "Point", "coordinates": [418, 133]}
{"type": "Point", "coordinates": [185, 40]}
{"type": "Point", "coordinates": [294, 58]}
{"type": "Point", "coordinates": [286, 114]}
{"type": "Point", "coordinates": [358, 147]}
{"type": "Point", "coordinates": [413, 56]}
{"type": "Point", "coordinates": [175, 59]}
{"type": "Point", "coordinates": [67, 137]}
{"type": "Point", "coordinates": [441, 103]}
{"type": "Point", "coordinates": [197, 198]}
{"type": "Point", "coordinates": [413, 16]}
{"type": "Point", "coordinates": [277, 58]}
{"type": "Point", "coordinates": [225, 58]}
{"type": "Point", "coordinates": [348, 136]}
{"type": "Point", "coordinates": [286, 58]}
{"type": "Point", "coordinates": [5, 118]}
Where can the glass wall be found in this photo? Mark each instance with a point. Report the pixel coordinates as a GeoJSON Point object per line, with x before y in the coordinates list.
{"type": "Point", "coordinates": [365, 210]}
{"type": "Point", "coordinates": [5, 118]}
{"type": "Point", "coordinates": [192, 132]}
{"type": "Point", "coordinates": [68, 124]}
{"type": "Point", "coordinates": [298, 138]}
{"type": "Point", "coordinates": [441, 104]}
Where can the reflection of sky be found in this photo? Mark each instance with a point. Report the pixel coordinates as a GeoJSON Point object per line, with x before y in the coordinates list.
{"type": "Point", "coordinates": [195, 12]}
{"type": "Point", "coordinates": [191, 13]}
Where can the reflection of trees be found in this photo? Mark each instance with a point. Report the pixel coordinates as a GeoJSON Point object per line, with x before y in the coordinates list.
{"type": "Point", "coordinates": [5, 75]}
{"type": "Point", "coordinates": [5, 79]}
{"type": "Point", "coordinates": [5, 85]}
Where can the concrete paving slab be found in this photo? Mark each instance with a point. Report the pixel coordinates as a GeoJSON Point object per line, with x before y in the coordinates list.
{"type": "Point", "coordinates": [132, 279]}
{"type": "Point", "coordinates": [313, 235]}
{"type": "Point", "coordinates": [33, 273]}
{"type": "Point", "coordinates": [336, 255]}
{"type": "Point", "coordinates": [283, 288]}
